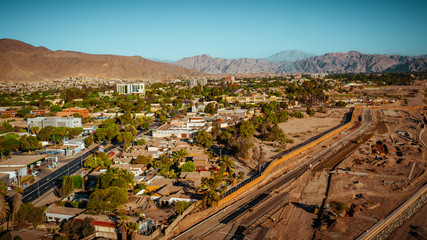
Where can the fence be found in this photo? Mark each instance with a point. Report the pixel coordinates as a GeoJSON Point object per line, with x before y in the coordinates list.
{"type": "Point", "coordinates": [179, 218]}
{"type": "Point", "coordinates": [249, 183]}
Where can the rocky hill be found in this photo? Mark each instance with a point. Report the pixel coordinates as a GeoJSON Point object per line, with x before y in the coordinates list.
{"type": "Point", "coordinates": [351, 62]}
{"type": "Point", "coordinates": [289, 55]}
{"type": "Point", "coordinates": [208, 64]}
{"type": "Point", "coordinates": [23, 62]}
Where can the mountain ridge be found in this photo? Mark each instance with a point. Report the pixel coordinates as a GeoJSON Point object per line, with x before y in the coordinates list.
{"type": "Point", "coordinates": [338, 62]}
{"type": "Point", "coordinates": [21, 62]}
{"type": "Point", "coordinates": [289, 55]}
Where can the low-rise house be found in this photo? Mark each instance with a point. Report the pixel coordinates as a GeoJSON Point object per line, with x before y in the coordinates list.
{"type": "Point", "coordinates": [182, 127]}
{"type": "Point", "coordinates": [70, 111]}
{"type": "Point", "coordinates": [136, 169]}
{"type": "Point", "coordinates": [105, 226]}
{"type": "Point", "coordinates": [61, 214]}
{"type": "Point", "coordinates": [201, 161]}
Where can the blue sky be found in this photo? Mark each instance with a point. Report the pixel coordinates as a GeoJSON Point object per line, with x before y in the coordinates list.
{"type": "Point", "coordinates": [231, 29]}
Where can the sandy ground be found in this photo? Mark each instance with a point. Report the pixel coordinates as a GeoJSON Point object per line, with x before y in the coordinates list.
{"type": "Point", "coordinates": [301, 129]}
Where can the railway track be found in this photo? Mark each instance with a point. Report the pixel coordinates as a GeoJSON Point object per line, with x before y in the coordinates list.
{"type": "Point", "coordinates": [231, 216]}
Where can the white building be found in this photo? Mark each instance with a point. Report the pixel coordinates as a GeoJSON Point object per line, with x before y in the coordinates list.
{"type": "Point", "coordinates": [61, 214]}
{"type": "Point", "coordinates": [182, 127]}
{"type": "Point", "coordinates": [42, 122]}
{"type": "Point", "coordinates": [131, 88]}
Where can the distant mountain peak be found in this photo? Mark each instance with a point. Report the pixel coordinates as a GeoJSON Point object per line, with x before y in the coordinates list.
{"type": "Point", "coordinates": [289, 55]}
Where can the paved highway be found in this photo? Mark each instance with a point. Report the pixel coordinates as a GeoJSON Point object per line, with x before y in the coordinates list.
{"type": "Point", "coordinates": [216, 223]}
{"type": "Point", "coordinates": [54, 179]}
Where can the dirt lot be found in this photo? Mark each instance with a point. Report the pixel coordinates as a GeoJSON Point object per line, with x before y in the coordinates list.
{"type": "Point", "coordinates": [301, 129]}
{"type": "Point", "coordinates": [373, 197]}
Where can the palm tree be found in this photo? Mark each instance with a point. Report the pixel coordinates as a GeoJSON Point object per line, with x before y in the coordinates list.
{"type": "Point", "coordinates": [179, 155]}
{"type": "Point", "coordinates": [132, 227]}
{"type": "Point", "coordinates": [123, 226]}
{"type": "Point", "coordinates": [16, 204]}
{"type": "Point", "coordinates": [4, 210]}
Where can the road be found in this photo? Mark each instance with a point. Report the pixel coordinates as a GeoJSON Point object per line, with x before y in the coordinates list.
{"type": "Point", "coordinates": [54, 179]}
{"type": "Point", "coordinates": [221, 222]}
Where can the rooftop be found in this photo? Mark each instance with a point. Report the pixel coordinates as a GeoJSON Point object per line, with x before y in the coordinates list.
{"type": "Point", "coordinates": [21, 160]}
{"type": "Point", "coordinates": [64, 210]}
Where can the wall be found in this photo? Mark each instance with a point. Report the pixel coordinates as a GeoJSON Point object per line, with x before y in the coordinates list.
{"type": "Point", "coordinates": [276, 162]}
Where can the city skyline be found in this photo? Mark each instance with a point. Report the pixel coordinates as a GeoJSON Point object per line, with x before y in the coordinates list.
{"type": "Point", "coordinates": [173, 30]}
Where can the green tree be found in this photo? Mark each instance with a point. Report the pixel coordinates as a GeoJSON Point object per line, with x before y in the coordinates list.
{"type": "Point", "coordinates": [115, 177]}
{"type": "Point", "coordinates": [163, 119]}
{"type": "Point", "coordinates": [141, 142]}
{"type": "Point", "coordinates": [204, 139]}
{"type": "Point", "coordinates": [80, 228]}
{"type": "Point", "coordinates": [127, 138]}
{"type": "Point", "coordinates": [309, 111]}
{"type": "Point", "coordinates": [45, 133]}
{"type": "Point", "coordinates": [8, 145]}
{"type": "Point", "coordinates": [141, 159]}
{"type": "Point", "coordinates": [77, 181]}
{"type": "Point", "coordinates": [247, 129]}
{"type": "Point", "coordinates": [340, 104]}
{"type": "Point", "coordinates": [67, 187]}
{"type": "Point", "coordinates": [29, 213]}
{"type": "Point", "coordinates": [16, 205]}
{"type": "Point", "coordinates": [35, 130]}
{"type": "Point", "coordinates": [211, 108]}
{"type": "Point", "coordinates": [178, 156]}
{"type": "Point", "coordinates": [23, 112]}
{"type": "Point", "coordinates": [55, 108]}
{"type": "Point", "coordinates": [88, 141]}
{"type": "Point", "coordinates": [181, 206]}
{"type": "Point", "coordinates": [188, 167]}
{"type": "Point", "coordinates": [107, 200]}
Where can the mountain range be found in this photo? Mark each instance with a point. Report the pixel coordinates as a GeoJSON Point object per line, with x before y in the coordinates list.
{"type": "Point", "coordinates": [350, 62]}
{"type": "Point", "coordinates": [23, 62]}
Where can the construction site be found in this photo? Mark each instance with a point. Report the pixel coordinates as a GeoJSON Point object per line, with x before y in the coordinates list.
{"type": "Point", "coordinates": [347, 193]}
{"type": "Point", "coordinates": [359, 180]}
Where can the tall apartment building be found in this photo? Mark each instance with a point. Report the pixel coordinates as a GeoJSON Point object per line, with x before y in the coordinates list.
{"type": "Point", "coordinates": [194, 82]}
{"type": "Point", "coordinates": [131, 88]}
{"type": "Point", "coordinates": [42, 122]}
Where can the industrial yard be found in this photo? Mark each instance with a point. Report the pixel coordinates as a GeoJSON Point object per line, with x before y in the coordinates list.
{"type": "Point", "coordinates": [376, 174]}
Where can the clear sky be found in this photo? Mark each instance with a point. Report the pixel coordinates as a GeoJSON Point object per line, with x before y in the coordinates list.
{"type": "Point", "coordinates": [172, 29]}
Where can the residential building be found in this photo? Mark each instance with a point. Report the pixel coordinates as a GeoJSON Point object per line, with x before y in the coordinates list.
{"type": "Point", "coordinates": [70, 111]}
{"type": "Point", "coordinates": [10, 113]}
{"type": "Point", "coordinates": [255, 98]}
{"type": "Point", "coordinates": [182, 127]}
{"type": "Point", "coordinates": [42, 122]}
{"type": "Point", "coordinates": [229, 80]}
{"type": "Point", "coordinates": [131, 88]}
{"type": "Point", "coordinates": [194, 82]}
{"type": "Point", "coordinates": [136, 169]}
{"type": "Point", "coordinates": [201, 161]}
{"type": "Point", "coordinates": [105, 226]}
{"type": "Point", "coordinates": [61, 214]}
